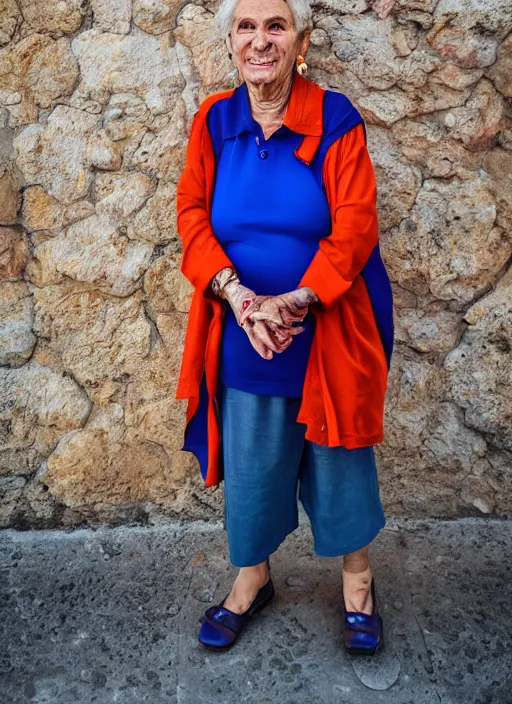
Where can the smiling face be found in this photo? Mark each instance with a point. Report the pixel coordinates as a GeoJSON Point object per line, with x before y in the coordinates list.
{"type": "Point", "coordinates": [264, 41]}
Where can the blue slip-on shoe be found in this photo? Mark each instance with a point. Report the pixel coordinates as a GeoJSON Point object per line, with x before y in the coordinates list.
{"type": "Point", "coordinates": [221, 627]}
{"type": "Point", "coordinates": [363, 633]}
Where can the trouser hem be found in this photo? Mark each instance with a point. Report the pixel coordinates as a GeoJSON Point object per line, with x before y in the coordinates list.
{"type": "Point", "coordinates": [349, 547]}
{"type": "Point", "coordinates": [263, 555]}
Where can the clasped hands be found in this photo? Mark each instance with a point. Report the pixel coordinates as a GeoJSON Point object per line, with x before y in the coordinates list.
{"type": "Point", "coordinates": [269, 321]}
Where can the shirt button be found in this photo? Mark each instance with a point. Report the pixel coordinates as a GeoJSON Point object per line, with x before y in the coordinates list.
{"type": "Point", "coordinates": [264, 154]}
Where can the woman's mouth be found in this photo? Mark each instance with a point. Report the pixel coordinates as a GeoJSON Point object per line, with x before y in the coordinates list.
{"type": "Point", "coordinates": [261, 64]}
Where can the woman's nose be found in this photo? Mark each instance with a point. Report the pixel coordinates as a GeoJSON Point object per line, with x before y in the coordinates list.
{"type": "Point", "coordinates": [260, 41]}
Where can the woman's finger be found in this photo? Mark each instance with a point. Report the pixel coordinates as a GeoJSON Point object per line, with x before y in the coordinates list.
{"type": "Point", "coordinates": [271, 317]}
{"type": "Point", "coordinates": [285, 345]}
{"type": "Point", "coordinates": [295, 331]}
{"type": "Point", "coordinates": [263, 333]}
{"type": "Point", "coordinates": [256, 342]}
{"type": "Point", "coordinates": [280, 334]}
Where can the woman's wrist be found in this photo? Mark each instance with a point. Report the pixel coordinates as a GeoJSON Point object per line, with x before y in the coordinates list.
{"type": "Point", "coordinates": [226, 285]}
{"type": "Point", "coordinates": [222, 279]}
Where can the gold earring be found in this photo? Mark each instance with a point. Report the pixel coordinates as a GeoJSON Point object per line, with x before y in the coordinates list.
{"type": "Point", "coordinates": [302, 67]}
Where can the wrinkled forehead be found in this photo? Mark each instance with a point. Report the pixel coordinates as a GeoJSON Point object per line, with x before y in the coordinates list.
{"type": "Point", "coordinates": [264, 11]}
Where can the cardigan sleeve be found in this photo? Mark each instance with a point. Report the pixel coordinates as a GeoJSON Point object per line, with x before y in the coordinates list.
{"type": "Point", "coordinates": [350, 184]}
{"type": "Point", "coordinates": [203, 256]}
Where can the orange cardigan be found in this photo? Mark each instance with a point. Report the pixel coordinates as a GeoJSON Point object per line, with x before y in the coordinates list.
{"type": "Point", "coordinates": [346, 377]}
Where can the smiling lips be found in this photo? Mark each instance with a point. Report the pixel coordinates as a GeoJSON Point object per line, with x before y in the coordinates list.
{"type": "Point", "coordinates": [260, 64]}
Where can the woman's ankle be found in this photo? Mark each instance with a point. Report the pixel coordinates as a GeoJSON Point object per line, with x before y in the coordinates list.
{"type": "Point", "coordinates": [255, 573]}
{"type": "Point", "coordinates": [357, 590]}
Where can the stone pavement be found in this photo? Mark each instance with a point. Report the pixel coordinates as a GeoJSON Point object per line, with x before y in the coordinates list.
{"type": "Point", "coordinates": [111, 615]}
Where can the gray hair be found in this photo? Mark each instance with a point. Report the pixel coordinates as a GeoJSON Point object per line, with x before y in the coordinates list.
{"type": "Point", "coordinates": [300, 9]}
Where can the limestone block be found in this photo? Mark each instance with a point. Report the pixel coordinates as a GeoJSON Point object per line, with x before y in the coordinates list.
{"type": "Point", "coordinates": [412, 480]}
{"type": "Point", "coordinates": [497, 472]}
{"type": "Point", "coordinates": [156, 221]}
{"type": "Point", "coordinates": [152, 412]}
{"type": "Point", "coordinates": [112, 15]}
{"type": "Point", "coordinates": [156, 16]}
{"type": "Point", "coordinates": [159, 421]}
{"type": "Point", "coordinates": [479, 368]}
{"type": "Point", "coordinates": [101, 340]}
{"type": "Point", "coordinates": [88, 470]}
{"type": "Point", "coordinates": [425, 143]}
{"type": "Point", "coordinates": [11, 490]}
{"type": "Point", "coordinates": [417, 18]}
{"type": "Point", "coordinates": [437, 96]}
{"type": "Point", "coordinates": [415, 386]}
{"type": "Point", "coordinates": [469, 51]}
{"type": "Point", "coordinates": [457, 78]}
{"type": "Point", "coordinates": [404, 39]}
{"type": "Point", "coordinates": [9, 20]}
{"type": "Point", "coordinates": [451, 442]}
{"type": "Point", "coordinates": [54, 156]}
{"type": "Point", "coordinates": [374, 63]}
{"type": "Point", "coordinates": [491, 17]}
{"type": "Point", "coordinates": [478, 122]}
{"type": "Point", "coordinates": [382, 8]}
{"type": "Point", "coordinates": [41, 211]}
{"type": "Point", "coordinates": [38, 70]}
{"type": "Point", "coordinates": [209, 56]}
{"type": "Point", "coordinates": [80, 210]}
{"type": "Point", "coordinates": [13, 253]}
{"type": "Point", "coordinates": [386, 108]}
{"type": "Point", "coordinates": [122, 194]}
{"type": "Point", "coordinates": [16, 313]}
{"type": "Point", "coordinates": [501, 72]}
{"type": "Point", "coordinates": [40, 405]}
{"type": "Point", "coordinates": [162, 152]}
{"type": "Point", "coordinates": [93, 250]}
{"type": "Point", "coordinates": [449, 245]}
{"type": "Point", "coordinates": [344, 7]}
{"type": "Point", "coordinates": [477, 492]}
{"type": "Point", "coordinates": [62, 16]}
{"type": "Point", "coordinates": [103, 153]}
{"type": "Point", "coordinates": [138, 459]}
{"type": "Point", "coordinates": [398, 182]}
{"type": "Point", "coordinates": [416, 5]}
{"type": "Point", "coordinates": [427, 331]}
{"type": "Point", "coordinates": [167, 288]}
{"type": "Point", "coordinates": [138, 63]}
{"type": "Point", "coordinates": [498, 163]}
{"type": "Point", "coordinates": [10, 183]}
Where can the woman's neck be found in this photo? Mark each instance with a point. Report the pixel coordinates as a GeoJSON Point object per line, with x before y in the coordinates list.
{"type": "Point", "coordinates": [268, 104]}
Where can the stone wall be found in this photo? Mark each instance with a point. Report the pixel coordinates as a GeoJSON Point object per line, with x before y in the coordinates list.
{"type": "Point", "coordinates": [96, 97]}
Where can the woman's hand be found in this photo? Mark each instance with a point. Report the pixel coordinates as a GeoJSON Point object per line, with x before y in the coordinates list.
{"type": "Point", "coordinates": [280, 312]}
{"type": "Point", "coordinates": [265, 340]}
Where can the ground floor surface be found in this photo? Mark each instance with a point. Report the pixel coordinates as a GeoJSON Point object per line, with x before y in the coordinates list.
{"type": "Point", "coordinates": [112, 615]}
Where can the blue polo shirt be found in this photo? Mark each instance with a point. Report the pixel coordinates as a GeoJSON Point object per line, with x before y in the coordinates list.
{"type": "Point", "coordinates": [269, 213]}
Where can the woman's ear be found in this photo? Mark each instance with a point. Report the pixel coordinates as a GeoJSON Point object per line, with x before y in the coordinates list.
{"type": "Point", "coordinates": [230, 48]}
{"type": "Point", "coordinates": [304, 42]}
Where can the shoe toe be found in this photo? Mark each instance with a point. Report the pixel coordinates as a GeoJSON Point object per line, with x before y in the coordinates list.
{"type": "Point", "coordinates": [364, 641]}
{"type": "Point", "coordinates": [209, 635]}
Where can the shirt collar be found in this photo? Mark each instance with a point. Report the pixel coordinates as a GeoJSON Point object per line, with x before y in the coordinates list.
{"type": "Point", "coordinates": [303, 116]}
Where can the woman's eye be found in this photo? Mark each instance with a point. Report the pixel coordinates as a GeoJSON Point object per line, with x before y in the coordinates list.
{"type": "Point", "coordinates": [276, 25]}
{"type": "Point", "coordinates": [245, 25]}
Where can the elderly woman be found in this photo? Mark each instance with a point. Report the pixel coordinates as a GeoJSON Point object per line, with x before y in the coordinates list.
{"type": "Point", "coordinates": [291, 327]}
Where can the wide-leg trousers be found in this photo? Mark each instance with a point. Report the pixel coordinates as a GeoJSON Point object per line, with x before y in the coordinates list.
{"type": "Point", "coordinates": [269, 466]}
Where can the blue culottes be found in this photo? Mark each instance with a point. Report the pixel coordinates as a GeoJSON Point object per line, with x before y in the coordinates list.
{"type": "Point", "coordinates": [268, 464]}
